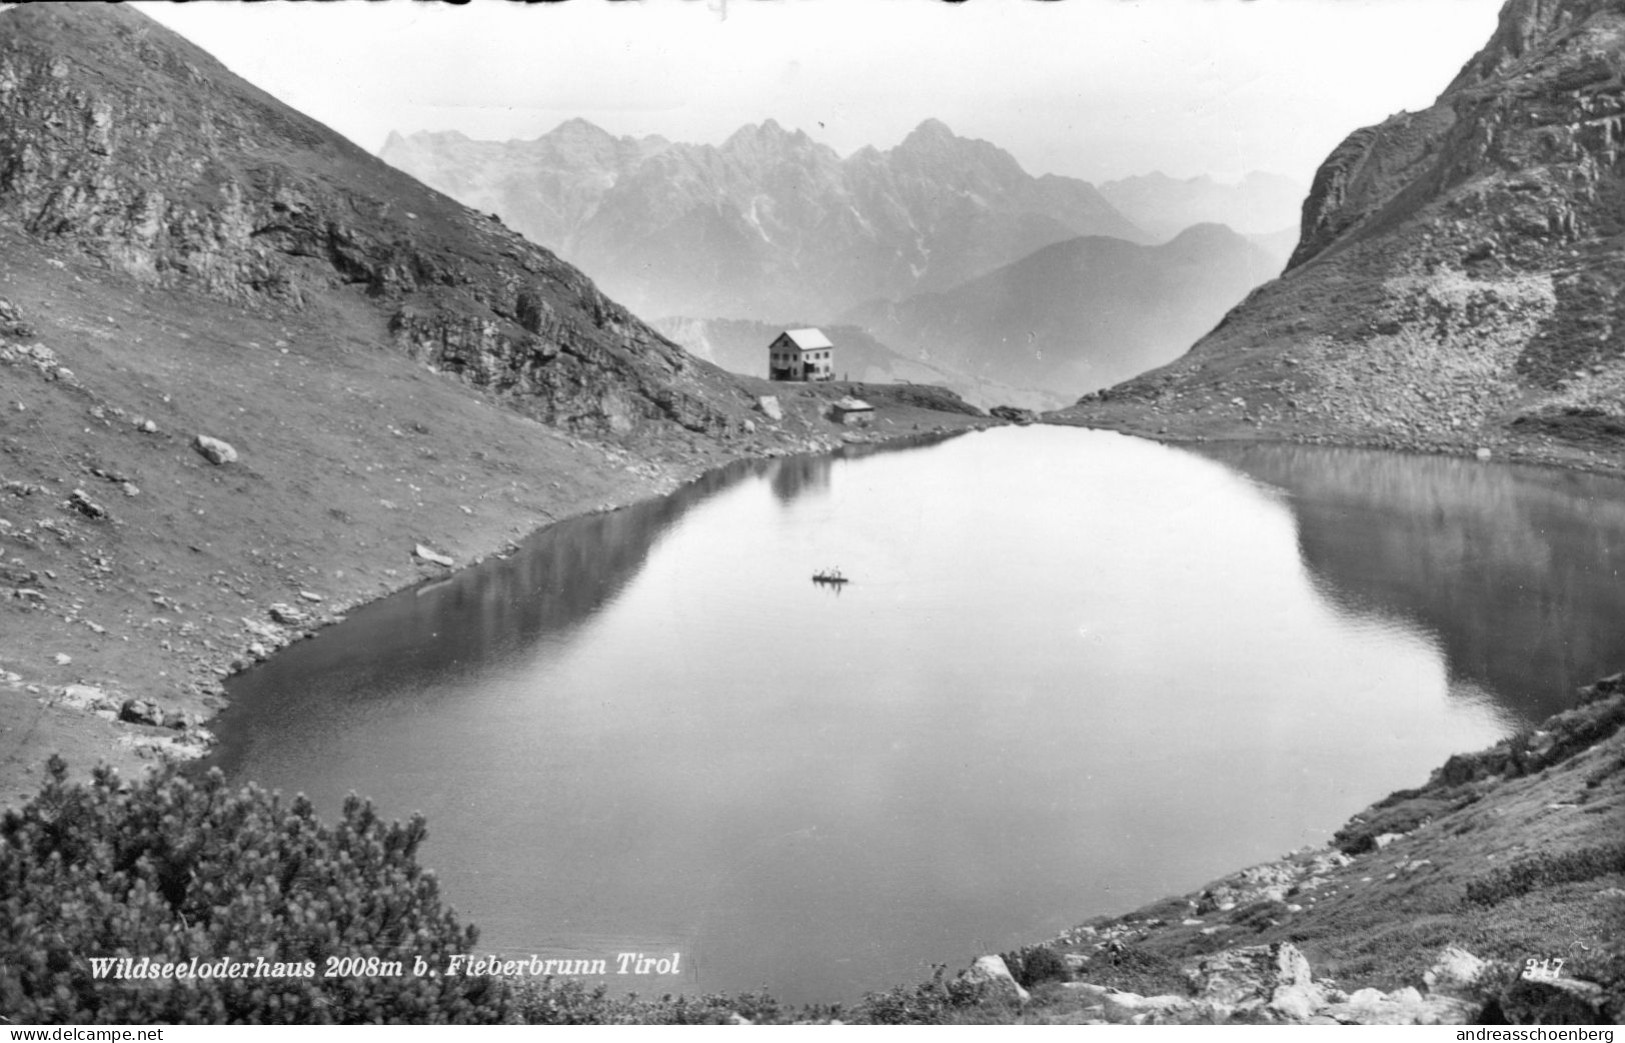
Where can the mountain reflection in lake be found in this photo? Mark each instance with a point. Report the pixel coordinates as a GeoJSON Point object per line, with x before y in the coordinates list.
{"type": "Point", "coordinates": [1446, 542]}
{"type": "Point", "coordinates": [1073, 672]}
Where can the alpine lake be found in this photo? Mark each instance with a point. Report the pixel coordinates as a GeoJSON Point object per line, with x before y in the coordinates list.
{"type": "Point", "coordinates": [1072, 672]}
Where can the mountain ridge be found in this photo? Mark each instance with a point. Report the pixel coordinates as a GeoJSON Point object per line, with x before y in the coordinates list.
{"type": "Point", "coordinates": [1079, 314]}
{"type": "Point", "coordinates": [183, 175]}
{"type": "Point", "coordinates": [771, 223]}
{"type": "Point", "coordinates": [1454, 285]}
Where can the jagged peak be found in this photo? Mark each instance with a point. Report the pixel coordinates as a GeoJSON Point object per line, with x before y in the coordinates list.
{"type": "Point", "coordinates": [769, 131]}
{"type": "Point", "coordinates": [930, 130]}
{"type": "Point", "coordinates": [578, 129]}
{"type": "Point", "coordinates": [1521, 26]}
{"type": "Point", "coordinates": [396, 139]}
{"type": "Point", "coordinates": [769, 137]}
{"type": "Point", "coordinates": [933, 143]}
{"type": "Point", "coordinates": [766, 129]}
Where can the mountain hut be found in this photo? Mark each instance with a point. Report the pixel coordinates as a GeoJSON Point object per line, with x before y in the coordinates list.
{"type": "Point", "coordinates": [804, 355]}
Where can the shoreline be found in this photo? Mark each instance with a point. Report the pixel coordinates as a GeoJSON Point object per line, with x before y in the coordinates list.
{"type": "Point", "coordinates": [1147, 420]}
{"type": "Point", "coordinates": [1320, 868]}
{"type": "Point", "coordinates": [136, 576]}
{"type": "Point", "coordinates": [631, 474]}
{"type": "Point", "coordinates": [1422, 909]}
{"type": "Point", "coordinates": [1503, 452]}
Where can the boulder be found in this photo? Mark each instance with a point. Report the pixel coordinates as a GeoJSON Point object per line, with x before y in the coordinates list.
{"type": "Point", "coordinates": [425, 554]}
{"type": "Point", "coordinates": [11, 321]}
{"type": "Point", "coordinates": [140, 711]}
{"type": "Point", "coordinates": [769, 405]}
{"type": "Point", "coordinates": [1014, 414]}
{"type": "Point", "coordinates": [287, 615]}
{"type": "Point", "coordinates": [265, 631]}
{"type": "Point", "coordinates": [84, 697]}
{"type": "Point", "coordinates": [1553, 1001]}
{"type": "Point", "coordinates": [179, 720]}
{"type": "Point", "coordinates": [1404, 1006]}
{"type": "Point", "coordinates": [214, 450]}
{"type": "Point", "coordinates": [1455, 974]}
{"type": "Point", "coordinates": [1276, 977]}
{"type": "Point", "coordinates": [1090, 994]}
{"type": "Point", "coordinates": [991, 973]}
{"type": "Point", "coordinates": [82, 503]}
{"type": "Point", "coordinates": [1128, 1008]}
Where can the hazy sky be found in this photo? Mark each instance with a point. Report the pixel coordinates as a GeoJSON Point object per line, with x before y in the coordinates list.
{"type": "Point", "coordinates": [1092, 88]}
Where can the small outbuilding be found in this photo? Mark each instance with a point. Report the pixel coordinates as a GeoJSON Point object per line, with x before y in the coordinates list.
{"type": "Point", "coordinates": [851, 411]}
{"type": "Point", "coordinates": [801, 355]}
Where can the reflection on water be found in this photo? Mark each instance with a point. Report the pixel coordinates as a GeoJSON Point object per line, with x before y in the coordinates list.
{"type": "Point", "coordinates": [1073, 672]}
{"type": "Point", "coordinates": [1449, 544]}
{"type": "Point", "coordinates": [792, 476]}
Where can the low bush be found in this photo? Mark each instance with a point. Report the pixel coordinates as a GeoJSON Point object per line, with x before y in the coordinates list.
{"type": "Point", "coordinates": [1260, 915]}
{"type": "Point", "coordinates": [170, 870]}
{"type": "Point", "coordinates": [1360, 835]}
{"type": "Point", "coordinates": [1546, 870]}
{"type": "Point", "coordinates": [1136, 970]}
{"type": "Point", "coordinates": [933, 1002]}
{"type": "Point", "coordinates": [1606, 772]}
{"type": "Point", "coordinates": [1035, 964]}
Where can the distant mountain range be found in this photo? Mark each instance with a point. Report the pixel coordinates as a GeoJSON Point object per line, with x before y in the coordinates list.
{"type": "Point", "coordinates": [1258, 204]}
{"type": "Point", "coordinates": [770, 224]}
{"type": "Point", "coordinates": [959, 262]}
{"type": "Point", "coordinates": [1078, 315]}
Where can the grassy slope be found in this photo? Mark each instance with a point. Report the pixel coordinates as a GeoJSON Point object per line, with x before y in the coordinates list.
{"type": "Point", "coordinates": [1381, 919]}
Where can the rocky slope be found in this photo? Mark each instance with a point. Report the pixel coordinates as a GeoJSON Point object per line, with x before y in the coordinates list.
{"type": "Point", "coordinates": [1079, 315]}
{"type": "Point", "coordinates": [1455, 283]}
{"type": "Point", "coordinates": [1489, 894]}
{"type": "Point", "coordinates": [1257, 204]}
{"type": "Point", "coordinates": [138, 149]}
{"type": "Point", "coordinates": [184, 259]}
{"type": "Point", "coordinates": [771, 224]}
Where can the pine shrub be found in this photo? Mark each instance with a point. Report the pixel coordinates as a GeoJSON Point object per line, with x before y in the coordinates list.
{"type": "Point", "coordinates": [933, 1002]}
{"type": "Point", "coordinates": [1545, 869]}
{"type": "Point", "coordinates": [1035, 964]}
{"type": "Point", "coordinates": [173, 868]}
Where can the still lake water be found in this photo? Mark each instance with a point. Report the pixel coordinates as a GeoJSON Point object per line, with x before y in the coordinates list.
{"type": "Point", "coordinates": [1074, 672]}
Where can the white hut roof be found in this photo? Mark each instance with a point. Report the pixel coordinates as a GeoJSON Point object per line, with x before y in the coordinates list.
{"type": "Point", "coordinates": [808, 339]}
